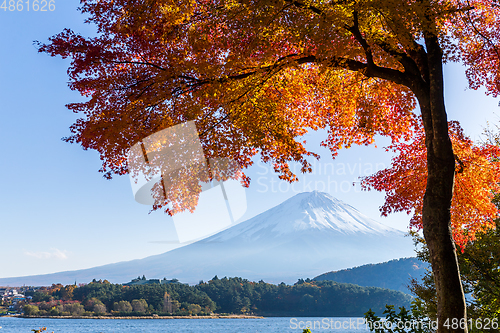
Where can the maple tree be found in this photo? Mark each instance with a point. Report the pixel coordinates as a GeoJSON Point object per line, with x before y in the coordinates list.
{"type": "Point", "coordinates": [255, 75]}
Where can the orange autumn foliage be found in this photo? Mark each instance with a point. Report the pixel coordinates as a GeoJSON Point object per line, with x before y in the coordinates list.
{"type": "Point", "coordinates": [256, 76]}
{"type": "Point", "coordinates": [477, 179]}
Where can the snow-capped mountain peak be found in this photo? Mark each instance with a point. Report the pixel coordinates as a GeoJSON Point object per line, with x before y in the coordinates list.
{"type": "Point", "coordinates": [308, 211]}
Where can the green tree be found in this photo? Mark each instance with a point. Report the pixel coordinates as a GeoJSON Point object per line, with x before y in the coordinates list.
{"type": "Point", "coordinates": [75, 309]}
{"type": "Point", "coordinates": [139, 305]}
{"type": "Point", "coordinates": [480, 267]}
{"type": "Point", "coordinates": [30, 310]}
{"type": "Point", "coordinates": [194, 308]}
{"type": "Point", "coordinates": [122, 306]}
{"type": "Point", "coordinates": [99, 309]}
{"type": "Point", "coordinates": [400, 322]}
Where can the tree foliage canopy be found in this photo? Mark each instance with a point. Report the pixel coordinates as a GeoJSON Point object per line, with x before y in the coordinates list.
{"type": "Point", "coordinates": [256, 75]}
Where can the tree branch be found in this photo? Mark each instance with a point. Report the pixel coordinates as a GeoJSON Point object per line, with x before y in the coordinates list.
{"type": "Point", "coordinates": [361, 40]}
{"type": "Point", "coordinates": [302, 5]}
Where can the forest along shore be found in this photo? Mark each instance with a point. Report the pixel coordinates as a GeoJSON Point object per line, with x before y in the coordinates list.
{"type": "Point", "coordinates": [146, 317]}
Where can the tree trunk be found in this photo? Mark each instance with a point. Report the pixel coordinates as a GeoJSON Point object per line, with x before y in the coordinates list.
{"type": "Point", "coordinates": [438, 195]}
{"type": "Point", "coordinates": [437, 233]}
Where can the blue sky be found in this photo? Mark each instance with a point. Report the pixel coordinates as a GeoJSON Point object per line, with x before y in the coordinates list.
{"type": "Point", "coordinates": [58, 213]}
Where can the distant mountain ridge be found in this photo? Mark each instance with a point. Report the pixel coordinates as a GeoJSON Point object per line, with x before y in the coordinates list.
{"type": "Point", "coordinates": [394, 274]}
{"type": "Point", "coordinates": [306, 235]}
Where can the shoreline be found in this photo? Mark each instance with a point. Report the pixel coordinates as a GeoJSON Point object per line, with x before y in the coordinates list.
{"type": "Point", "coordinates": [145, 317]}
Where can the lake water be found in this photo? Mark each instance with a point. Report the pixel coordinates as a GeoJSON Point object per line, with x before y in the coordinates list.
{"type": "Point", "coordinates": [265, 325]}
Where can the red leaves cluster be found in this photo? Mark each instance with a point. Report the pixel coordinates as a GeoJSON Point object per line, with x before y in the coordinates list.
{"type": "Point", "coordinates": [477, 179]}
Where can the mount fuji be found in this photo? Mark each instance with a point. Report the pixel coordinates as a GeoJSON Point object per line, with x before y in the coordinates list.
{"type": "Point", "coordinates": [307, 235]}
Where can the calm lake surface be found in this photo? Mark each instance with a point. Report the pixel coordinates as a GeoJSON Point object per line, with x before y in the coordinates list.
{"type": "Point", "coordinates": [266, 325]}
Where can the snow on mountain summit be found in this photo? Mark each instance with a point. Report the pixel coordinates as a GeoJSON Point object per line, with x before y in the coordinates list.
{"type": "Point", "coordinates": [322, 211]}
{"type": "Point", "coordinates": [307, 211]}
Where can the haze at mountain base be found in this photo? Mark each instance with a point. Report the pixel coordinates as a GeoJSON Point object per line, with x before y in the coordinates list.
{"type": "Point", "coordinates": [307, 235]}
